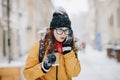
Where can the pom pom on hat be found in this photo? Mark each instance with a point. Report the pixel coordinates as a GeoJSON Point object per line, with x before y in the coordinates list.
{"type": "Point", "coordinates": [60, 19]}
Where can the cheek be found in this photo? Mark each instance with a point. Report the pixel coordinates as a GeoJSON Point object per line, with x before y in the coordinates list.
{"type": "Point", "coordinates": [57, 37]}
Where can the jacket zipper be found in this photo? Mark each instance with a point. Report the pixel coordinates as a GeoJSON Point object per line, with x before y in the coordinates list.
{"type": "Point", "coordinates": [56, 72]}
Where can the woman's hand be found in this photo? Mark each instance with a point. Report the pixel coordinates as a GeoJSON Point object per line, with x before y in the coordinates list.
{"type": "Point", "coordinates": [67, 45]}
{"type": "Point", "coordinates": [46, 65]}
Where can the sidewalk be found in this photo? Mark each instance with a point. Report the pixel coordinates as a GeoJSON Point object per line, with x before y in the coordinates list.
{"type": "Point", "coordinates": [13, 65]}
{"type": "Point", "coordinates": [97, 66]}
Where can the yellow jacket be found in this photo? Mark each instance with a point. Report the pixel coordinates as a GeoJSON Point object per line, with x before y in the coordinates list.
{"type": "Point", "coordinates": [69, 66]}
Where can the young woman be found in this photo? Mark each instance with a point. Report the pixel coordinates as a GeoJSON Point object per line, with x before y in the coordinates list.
{"type": "Point", "coordinates": [59, 38]}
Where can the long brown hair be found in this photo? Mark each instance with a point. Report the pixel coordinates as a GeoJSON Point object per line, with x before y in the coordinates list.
{"type": "Point", "coordinates": [49, 42]}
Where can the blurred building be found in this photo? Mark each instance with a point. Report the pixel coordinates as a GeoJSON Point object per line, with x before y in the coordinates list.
{"type": "Point", "coordinates": [104, 22]}
{"type": "Point", "coordinates": [26, 18]}
{"type": "Point", "coordinates": [79, 26]}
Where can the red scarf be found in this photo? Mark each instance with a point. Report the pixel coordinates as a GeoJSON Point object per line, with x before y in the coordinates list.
{"type": "Point", "coordinates": [59, 46]}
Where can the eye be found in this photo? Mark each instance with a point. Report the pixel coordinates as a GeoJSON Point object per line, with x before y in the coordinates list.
{"type": "Point", "coordinates": [67, 31]}
{"type": "Point", "coordinates": [59, 31]}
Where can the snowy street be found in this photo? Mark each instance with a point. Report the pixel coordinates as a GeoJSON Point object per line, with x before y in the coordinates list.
{"type": "Point", "coordinates": [97, 66]}
{"type": "Point", "coordinates": [94, 66]}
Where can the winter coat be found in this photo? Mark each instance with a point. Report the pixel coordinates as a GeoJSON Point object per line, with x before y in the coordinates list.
{"type": "Point", "coordinates": [69, 66]}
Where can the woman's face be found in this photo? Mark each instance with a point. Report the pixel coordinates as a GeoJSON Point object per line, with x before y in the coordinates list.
{"type": "Point", "coordinates": [61, 33]}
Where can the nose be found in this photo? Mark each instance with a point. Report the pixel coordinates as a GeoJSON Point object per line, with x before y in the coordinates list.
{"type": "Point", "coordinates": [63, 34]}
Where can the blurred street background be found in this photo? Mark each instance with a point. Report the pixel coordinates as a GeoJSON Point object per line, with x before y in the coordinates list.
{"type": "Point", "coordinates": [96, 26]}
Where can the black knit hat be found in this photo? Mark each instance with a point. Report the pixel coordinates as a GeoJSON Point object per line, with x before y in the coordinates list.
{"type": "Point", "coordinates": [60, 19]}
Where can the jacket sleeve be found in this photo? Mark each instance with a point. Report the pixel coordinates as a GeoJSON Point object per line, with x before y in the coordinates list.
{"type": "Point", "coordinates": [72, 64]}
{"type": "Point", "coordinates": [32, 69]}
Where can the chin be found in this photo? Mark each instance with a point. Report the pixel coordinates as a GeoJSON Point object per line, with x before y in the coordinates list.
{"type": "Point", "coordinates": [60, 40]}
